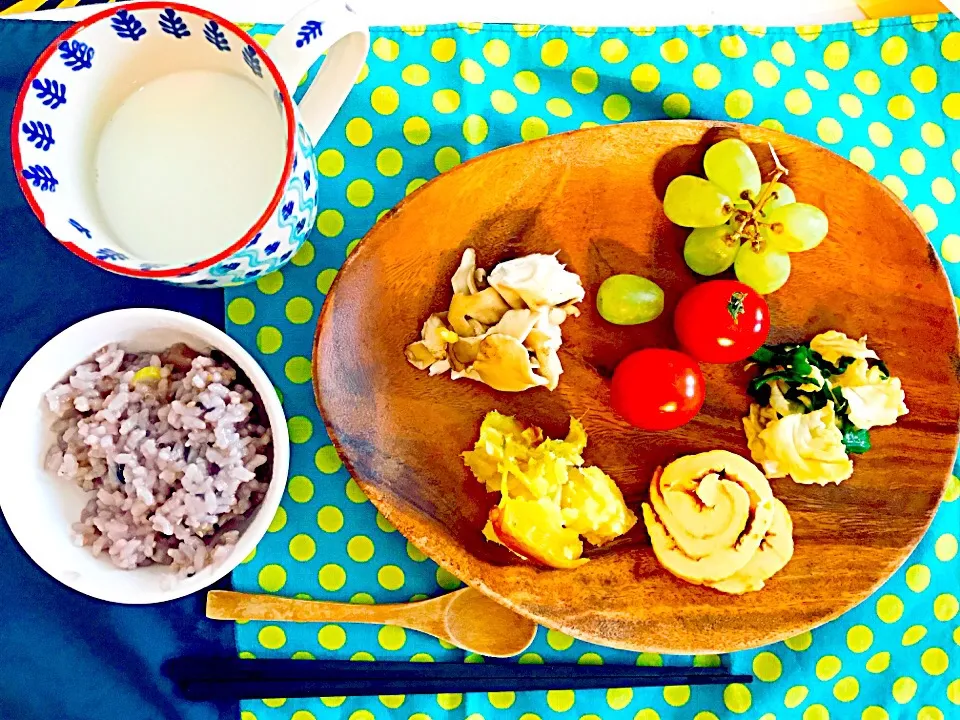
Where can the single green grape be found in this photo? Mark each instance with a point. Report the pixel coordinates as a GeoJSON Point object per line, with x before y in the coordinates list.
{"type": "Point", "coordinates": [709, 251]}
{"type": "Point", "coordinates": [629, 300]}
{"type": "Point", "coordinates": [764, 270]}
{"type": "Point", "coordinates": [732, 167]}
{"type": "Point", "coordinates": [780, 195]}
{"type": "Point", "coordinates": [795, 227]}
{"type": "Point", "coordinates": [691, 201]}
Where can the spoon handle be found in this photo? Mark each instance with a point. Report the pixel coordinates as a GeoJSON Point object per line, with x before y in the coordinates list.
{"type": "Point", "coordinates": [225, 605]}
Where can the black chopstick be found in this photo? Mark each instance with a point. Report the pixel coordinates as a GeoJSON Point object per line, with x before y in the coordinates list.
{"type": "Point", "coordinates": [236, 679]}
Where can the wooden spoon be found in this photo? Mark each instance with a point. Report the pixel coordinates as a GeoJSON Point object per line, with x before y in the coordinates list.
{"type": "Point", "coordinates": [466, 618]}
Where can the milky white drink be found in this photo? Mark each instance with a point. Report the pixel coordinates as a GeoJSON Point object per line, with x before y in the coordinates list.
{"type": "Point", "coordinates": [188, 163]}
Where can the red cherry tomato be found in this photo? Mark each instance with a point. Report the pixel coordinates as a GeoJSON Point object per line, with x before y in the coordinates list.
{"type": "Point", "coordinates": [721, 321]}
{"type": "Point", "coordinates": [657, 389]}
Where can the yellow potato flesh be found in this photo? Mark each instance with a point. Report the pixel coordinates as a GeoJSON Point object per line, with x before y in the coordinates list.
{"type": "Point", "coordinates": [534, 529]}
{"type": "Point", "coordinates": [548, 499]}
{"type": "Point", "coordinates": [593, 505]}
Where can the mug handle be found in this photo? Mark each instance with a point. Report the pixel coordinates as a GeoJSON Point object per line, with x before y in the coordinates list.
{"type": "Point", "coordinates": [325, 26]}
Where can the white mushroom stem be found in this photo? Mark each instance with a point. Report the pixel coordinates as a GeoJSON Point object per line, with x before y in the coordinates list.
{"type": "Point", "coordinates": [464, 280]}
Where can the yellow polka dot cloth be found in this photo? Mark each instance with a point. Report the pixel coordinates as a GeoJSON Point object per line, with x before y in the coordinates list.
{"type": "Point", "coordinates": [884, 94]}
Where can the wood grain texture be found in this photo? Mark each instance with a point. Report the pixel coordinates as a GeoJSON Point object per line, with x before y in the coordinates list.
{"type": "Point", "coordinates": [595, 195]}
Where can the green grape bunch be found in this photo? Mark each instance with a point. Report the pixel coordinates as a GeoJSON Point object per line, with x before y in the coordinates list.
{"type": "Point", "coordinates": [740, 220]}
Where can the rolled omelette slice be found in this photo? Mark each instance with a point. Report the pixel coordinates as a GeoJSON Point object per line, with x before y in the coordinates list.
{"type": "Point", "coordinates": [774, 553]}
{"type": "Point", "coordinates": [708, 515]}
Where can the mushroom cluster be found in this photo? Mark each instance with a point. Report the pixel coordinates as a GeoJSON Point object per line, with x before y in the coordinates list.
{"type": "Point", "coordinates": [713, 521]}
{"type": "Point", "coordinates": [501, 329]}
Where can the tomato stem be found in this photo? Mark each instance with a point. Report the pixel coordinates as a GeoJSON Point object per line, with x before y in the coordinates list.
{"type": "Point", "coordinates": [735, 306]}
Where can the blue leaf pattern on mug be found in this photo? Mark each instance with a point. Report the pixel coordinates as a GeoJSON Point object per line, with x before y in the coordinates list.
{"type": "Point", "coordinates": [41, 176]}
{"type": "Point", "coordinates": [39, 133]}
{"type": "Point", "coordinates": [76, 55]}
{"type": "Point", "coordinates": [127, 27]}
{"type": "Point", "coordinates": [173, 24]}
{"type": "Point", "coordinates": [215, 36]}
{"type": "Point", "coordinates": [310, 31]}
{"type": "Point", "coordinates": [81, 229]}
{"type": "Point", "coordinates": [252, 61]}
{"type": "Point", "coordinates": [52, 93]}
{"type": "Point", "coordinates": [108, 254]}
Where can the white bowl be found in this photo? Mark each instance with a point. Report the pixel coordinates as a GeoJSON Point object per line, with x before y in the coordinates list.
{"type": "Point", "coordinates": [40, 508]}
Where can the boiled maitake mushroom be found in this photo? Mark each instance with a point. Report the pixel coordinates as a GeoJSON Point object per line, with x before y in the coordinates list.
{"type": "Point", "coordinates": [536, 281]}
{"type": "Point", "coordinates": [504, 364]}
{"type": "Point", "coordinates": [465, 280]}
{"type": "Point", "coordinates": [502, 329]}
{"type": "Point", "coordinates": [471, 314]}
{"type": "Point", "coordinates": [432, 348]}
{"type": "Point", "coordinates": [545, 340]}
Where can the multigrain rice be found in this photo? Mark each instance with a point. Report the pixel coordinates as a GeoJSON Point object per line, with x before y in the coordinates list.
{"type": "Point", "coordinates": [174, 460]}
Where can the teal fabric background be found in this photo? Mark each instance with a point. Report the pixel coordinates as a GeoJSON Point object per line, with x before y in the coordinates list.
{"type": "Point", "coordinates": [883, 94]}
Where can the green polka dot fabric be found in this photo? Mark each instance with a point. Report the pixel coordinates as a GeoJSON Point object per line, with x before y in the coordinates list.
{"type": "Point", "coordinates": [883, 94]}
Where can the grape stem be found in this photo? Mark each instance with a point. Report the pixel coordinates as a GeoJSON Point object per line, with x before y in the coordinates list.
{"type": "Point", "coordinates": [750, 219]}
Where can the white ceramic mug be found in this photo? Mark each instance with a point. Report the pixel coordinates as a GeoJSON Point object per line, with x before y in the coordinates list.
{"type": "Point", "coordinates": [158, 140]}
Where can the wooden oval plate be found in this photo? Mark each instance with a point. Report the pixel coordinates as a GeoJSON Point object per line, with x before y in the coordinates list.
{"type": "Point", "coordinates": [595, 195]}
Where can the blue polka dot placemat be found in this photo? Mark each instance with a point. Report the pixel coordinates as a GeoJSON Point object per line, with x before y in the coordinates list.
{"type": "Point", "coordinates": [884, 94]}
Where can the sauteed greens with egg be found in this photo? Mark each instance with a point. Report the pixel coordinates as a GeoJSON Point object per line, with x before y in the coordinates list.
{"type": "Point", "coordinates": [816, 402]}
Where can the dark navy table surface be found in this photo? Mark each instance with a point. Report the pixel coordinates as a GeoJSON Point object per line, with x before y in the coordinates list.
{"type": "Point", "coordinates": [65, 656]}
